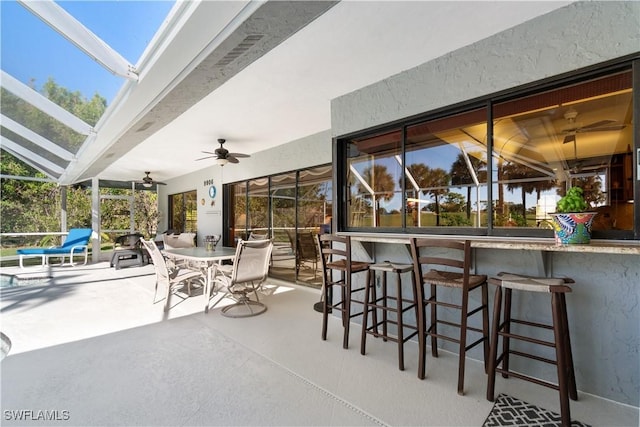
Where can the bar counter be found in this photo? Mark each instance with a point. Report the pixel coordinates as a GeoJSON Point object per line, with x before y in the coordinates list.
{"type": "Point", "coordinates": [604, 307]}
{"type": "Point", "coordinates": [630, 247]}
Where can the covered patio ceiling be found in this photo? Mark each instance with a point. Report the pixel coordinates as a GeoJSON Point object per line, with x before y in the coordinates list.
{"type": "Point", "coordinates": [261, 74]}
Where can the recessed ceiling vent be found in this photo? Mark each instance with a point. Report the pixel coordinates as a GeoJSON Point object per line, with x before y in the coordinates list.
{"type": "Point", "coordinates": [145, 126]}
{"type": "Point", "coordinates": [246, 44]}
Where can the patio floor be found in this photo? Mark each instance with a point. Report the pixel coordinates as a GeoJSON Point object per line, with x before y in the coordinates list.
{"type": "Point", "coordinates": [89, 348]}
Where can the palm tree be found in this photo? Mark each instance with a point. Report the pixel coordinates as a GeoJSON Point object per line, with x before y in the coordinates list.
{"type": "Point", "coordinates": [524, 174]}
{"type": "Point", "coordinates": [430, 181]}
{"type": "Point", "coordinates": [461, 175]}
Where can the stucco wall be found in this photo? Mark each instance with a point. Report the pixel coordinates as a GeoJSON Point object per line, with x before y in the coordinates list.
{"type": "Point", "coordinates": [604, 309]}
{"type": "Point", "coordinates": [575, 36]}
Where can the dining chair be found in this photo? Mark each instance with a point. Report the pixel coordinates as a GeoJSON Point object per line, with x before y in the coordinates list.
{"type": "Point", "coordinates": [169, 275]}
{"type": "Point", "coordinates": [447, 263]}
{"type": "Point", "coordinates": [244, 277]}
{"type": "Point", "coordinates": [335, 256]}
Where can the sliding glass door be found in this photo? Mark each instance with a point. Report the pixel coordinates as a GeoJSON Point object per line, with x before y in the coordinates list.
{"type": "Point", "coordinates": [291, 208]}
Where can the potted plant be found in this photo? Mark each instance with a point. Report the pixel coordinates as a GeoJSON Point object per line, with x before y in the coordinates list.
{"type": "Point", "coordinates": [572, 221]}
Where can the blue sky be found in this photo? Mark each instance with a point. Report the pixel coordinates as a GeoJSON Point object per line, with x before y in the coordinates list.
{"type": "Point", "coordinates": [31, 50]}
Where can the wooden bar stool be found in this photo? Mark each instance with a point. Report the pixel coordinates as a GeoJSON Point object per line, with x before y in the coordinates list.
{"type": "Point", "coordinates": [557, 287]}
{"type": "Point", "coordinates": [338, 259]}
{"type": "Point", "coordinates": [400, 305]}
{"type": "Point", "coordinates": [447, 263]}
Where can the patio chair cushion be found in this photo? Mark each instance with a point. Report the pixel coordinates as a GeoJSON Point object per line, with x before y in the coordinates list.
{"type": "Point", "coordinates": [76, 243]}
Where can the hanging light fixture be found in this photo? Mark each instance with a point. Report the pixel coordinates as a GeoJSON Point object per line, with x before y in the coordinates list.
{"type": "Point", "coordinates": [222, 161]}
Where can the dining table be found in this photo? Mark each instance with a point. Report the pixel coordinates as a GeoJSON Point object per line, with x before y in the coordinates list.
{"type": "Point", "coordinates": [205, 259]}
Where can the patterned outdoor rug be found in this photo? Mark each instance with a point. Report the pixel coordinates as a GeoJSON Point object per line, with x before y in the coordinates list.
{"type": "Point", "coordinates": [509, 411]}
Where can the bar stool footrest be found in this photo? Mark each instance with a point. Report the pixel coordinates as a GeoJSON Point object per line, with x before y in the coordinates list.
{"type": "Point", "coordinates": [528, 378]}
{"type": "Point", "coordinates": [393, 338]}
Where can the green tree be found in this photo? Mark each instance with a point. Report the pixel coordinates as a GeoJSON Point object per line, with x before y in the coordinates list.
{"type": "Point", "coordinates": [462, 175]}
{"type": "Point", "coordinates": [431, 181]}
{"type": "Point", "coordinates": [528, 180]}
{"type": "Point", "coordinates": [34, 206]}
{"type": "Point", "coordinates": [382, 184]}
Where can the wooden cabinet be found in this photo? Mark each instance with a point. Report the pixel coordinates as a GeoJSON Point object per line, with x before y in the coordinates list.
{"type": "Point", "coordinates": [621, 178]}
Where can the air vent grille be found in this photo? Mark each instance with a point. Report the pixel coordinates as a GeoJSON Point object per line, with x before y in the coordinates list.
{"type": "Point", "coordinates": [246, 44]}
{"type": "Point", "coordinates": [145, 126]}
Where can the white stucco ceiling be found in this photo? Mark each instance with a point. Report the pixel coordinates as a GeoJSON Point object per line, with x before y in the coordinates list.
{"type": "Point", "coordinates": [285, 94]}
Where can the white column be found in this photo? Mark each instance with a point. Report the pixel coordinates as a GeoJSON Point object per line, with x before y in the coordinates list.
{"type": "Point", "coordinates": [95, 219]}
{"type": "Point", "coordinates": [63, 208]}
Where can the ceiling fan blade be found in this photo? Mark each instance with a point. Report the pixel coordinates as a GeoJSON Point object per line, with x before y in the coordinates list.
{"type": "Point", "coordinates": [232, 159]}
{"type": "Point", "coordinates": [598, 124]}
{"type": "Point", "coordinates": [239, 155]}
{"type": "Point", "coordinates": [159, 183]}
{"type": "Point", "coordinates": [208, 157]}
{"type": "Point", "coordinates": [569, 138]}
{"type": "Point", "coordinates": [602, 129]}
{"type": "Point", "coordinates": [209, 152]}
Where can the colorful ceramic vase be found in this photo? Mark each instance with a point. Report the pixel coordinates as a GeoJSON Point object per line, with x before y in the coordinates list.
{"type": "Point", "coordinates": [573, 228]}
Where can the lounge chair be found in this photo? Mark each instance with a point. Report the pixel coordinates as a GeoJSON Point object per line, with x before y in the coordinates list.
{"type": "Point", "coordinates": [76, 244]}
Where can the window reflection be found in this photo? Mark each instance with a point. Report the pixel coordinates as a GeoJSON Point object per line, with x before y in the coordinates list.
{"type": "Point", "coordinates": [238, 214]}
{"type": "Point", "coordinates": [258, 219]}
{"type": "Point", "coordinates": [447, 171]}
{"type": "Point", "coordinates": [579, 135]}
{"type": "Point", "coordinates": [374, 178]}
{"type": "Point", "coordinates": [283, 219]}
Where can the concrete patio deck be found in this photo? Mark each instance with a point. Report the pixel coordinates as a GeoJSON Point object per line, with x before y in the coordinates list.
{"type": "Point", "coordinates": [89, 348]}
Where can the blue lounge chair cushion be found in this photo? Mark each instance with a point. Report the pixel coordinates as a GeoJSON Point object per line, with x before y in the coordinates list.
{"type": "Point", "coordinates": [48, 251]}
{"type": "Point", "coordinates": [76, 237]}
{"type": "Point", "coordinates": [75, 244]}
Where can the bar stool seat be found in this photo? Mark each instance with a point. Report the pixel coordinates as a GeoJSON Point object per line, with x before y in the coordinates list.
{"type": "Point", "coordinates": [373, 303]}
{"type": "Point", "coordinates": [557, 288]}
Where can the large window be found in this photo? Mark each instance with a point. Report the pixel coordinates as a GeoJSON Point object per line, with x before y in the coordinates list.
{"type": "Point", "coordinates": [501, 167]}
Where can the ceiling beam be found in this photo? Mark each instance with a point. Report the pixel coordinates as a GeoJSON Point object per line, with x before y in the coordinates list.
{"type": "Point", "coordinates": [85, 40]}
{"type": "Point", "coordinates": [43, 104]}
{"type": "Point", "coordinates": [35, 138]}
{"type": "Point", "coordinates": [31, 158]}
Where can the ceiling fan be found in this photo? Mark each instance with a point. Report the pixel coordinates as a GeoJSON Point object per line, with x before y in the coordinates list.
{"type": "Point", "coordinates": [575, 128]}
{"type": "Point", "coordinates": [222, 155]}
{"type": "Point", "coordinates": [148, 182]}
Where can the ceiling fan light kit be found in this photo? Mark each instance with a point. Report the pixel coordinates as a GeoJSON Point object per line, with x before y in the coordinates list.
{"type": "Point", "coordinates": [147, 181]}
